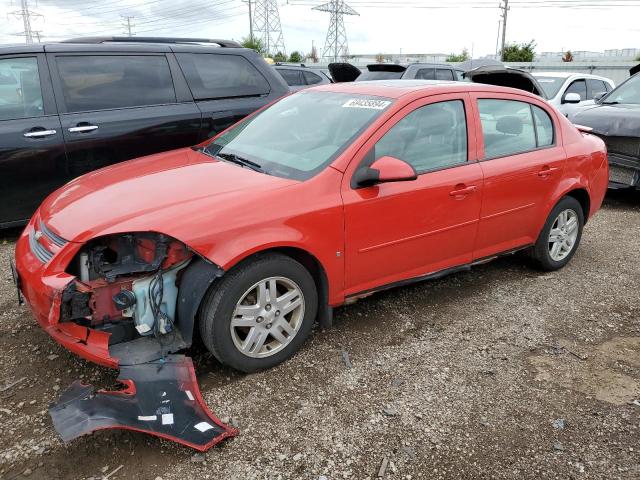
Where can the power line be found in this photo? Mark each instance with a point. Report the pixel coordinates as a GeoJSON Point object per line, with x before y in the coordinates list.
{"type": "Point", "coordinates": [26, 14]}
{"type": "Point", "coordinates": [127, 25]}
{"type": "Point", "coordinates": [336, 44]}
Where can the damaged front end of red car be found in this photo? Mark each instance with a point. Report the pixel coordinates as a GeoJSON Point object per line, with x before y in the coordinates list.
{"type": "Point", "coordinates": [127, 301]}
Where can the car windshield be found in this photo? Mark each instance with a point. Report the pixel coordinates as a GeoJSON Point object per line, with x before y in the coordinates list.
{"type": "Point", "coordinates": [301, 134]}
{"type": "Point", "coordinates": [550, 85]}
{"type": "Point", "coordinates": [628, 92]}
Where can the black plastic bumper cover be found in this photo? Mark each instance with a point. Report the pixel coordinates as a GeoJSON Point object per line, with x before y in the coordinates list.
{"type": "Point", "coordinates": [161, 398]}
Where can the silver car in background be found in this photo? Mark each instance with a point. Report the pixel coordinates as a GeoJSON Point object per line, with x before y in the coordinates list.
{"type": "Point", "coordinates": [570, 92]}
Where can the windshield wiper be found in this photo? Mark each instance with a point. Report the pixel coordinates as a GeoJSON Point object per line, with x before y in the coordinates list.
{"type": "Point", "coordinates": [610, 103]}
{"type": "Point", "coordinates": [233, 158]}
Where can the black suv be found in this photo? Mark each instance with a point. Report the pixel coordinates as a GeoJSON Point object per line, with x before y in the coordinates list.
{"type": "Point", "coordinates": [71, 107]}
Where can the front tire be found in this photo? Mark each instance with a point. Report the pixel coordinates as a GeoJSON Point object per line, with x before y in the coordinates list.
{"type": "Point", "coordinates": [260, 313]}
{"type": "Point", "coordinates": [560, 236]}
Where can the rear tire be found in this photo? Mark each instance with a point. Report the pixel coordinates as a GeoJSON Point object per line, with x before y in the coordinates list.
{"type": "Point", "coordinates": [260, 313]}
{"type": "Point", "coordinates": [560, 236]}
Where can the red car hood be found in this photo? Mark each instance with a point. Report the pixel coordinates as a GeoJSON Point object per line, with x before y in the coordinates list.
{"type": "Point", "coordinates": [160, 192]}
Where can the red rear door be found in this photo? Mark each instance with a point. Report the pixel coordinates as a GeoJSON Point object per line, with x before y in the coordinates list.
{"type": "Point", "coordinates": [396, 231]}
{"type": "Point", "coordinates": [522, 160]}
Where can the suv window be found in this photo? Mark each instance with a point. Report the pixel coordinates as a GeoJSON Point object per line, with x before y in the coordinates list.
{"type": "Point", "coordinates": [429, 138]}
{"type": "Point", "coordinates": [20, 94]}
{"type": "Point", "coordinates": [311, 78]}
{"type": "Point", "coordinates": [292, 77]}
{"type": "Point", "coordinates": [579, 87]}
{"type": "Point", "coordinates": [213, 75]}
{"type": "Point", "coordinates": [103, 82]}
{"type": "Point", "coordinates": [444, 74]}
{"type": "Point", "coordinates": [426, 74]}
{"type": "Point", "coordinates": [508, 127]}
{"type": "Point", "coordinates": [597, 87]}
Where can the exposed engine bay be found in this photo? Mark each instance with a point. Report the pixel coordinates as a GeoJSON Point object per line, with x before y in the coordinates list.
{"type": "Point", "coordinates": [143, 289]}
{"type": "Point", "coordinates": [127, 285]}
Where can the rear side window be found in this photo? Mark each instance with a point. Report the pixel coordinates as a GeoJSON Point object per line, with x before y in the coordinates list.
{"type": "Point", "coordinates": [444, 74]}
{"type": "Point", "coordinates": [292, 77]}
{"type": "Point", "coordinates": [114, 81]}
{"type": "Point", "coordinates": [429, 138]}
{"type": "Point", "coordinates": [597, 87]}
{"type": "Point", "coordinates": [311, 78]}
{"type": "Point", "coordinates": [579, 87]}
{"type": "Point", "coordinates": [20, 94]}
{"type": "Point", "coordinates": [213, 75]}
{"type": "Point", "coordinates": [426, 74]}
{"type": "Point", "coordinates": [508, 127]}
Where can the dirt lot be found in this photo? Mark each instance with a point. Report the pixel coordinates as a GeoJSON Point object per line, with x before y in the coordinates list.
{"type": "Point", "coordinates": [501, 372]}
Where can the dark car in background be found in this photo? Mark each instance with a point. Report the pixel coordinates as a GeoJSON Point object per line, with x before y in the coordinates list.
{"type": "Point", "coordinates": [301, 76]}
{"type": "Point", "coordinates": [616, 119]}
{"type": "Point", "coordinates": [72, 107]}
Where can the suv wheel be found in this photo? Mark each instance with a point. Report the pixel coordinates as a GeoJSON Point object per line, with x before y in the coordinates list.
{"type": "Point", "coordinates": [560, 237]}
{"type": "Point", "coordinates": [260, 313]}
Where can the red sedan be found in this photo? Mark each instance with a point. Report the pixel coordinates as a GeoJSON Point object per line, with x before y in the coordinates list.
{"type": "Point", "coordinates": [326, 195]}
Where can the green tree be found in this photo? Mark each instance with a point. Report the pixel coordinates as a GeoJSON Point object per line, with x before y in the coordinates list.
{"type": "Point", "coordinates": [279, 57]}
{"type": "Point", "coordinates": [295, 57]}
{"type": "Point", "coordinates": [638, 58]}
{"type": "Point", "coordinates": [460, 57]}
{"type": "Point", "coordinates": [519, 52]}
{"type": "Point", "coordinates": [254, 44]}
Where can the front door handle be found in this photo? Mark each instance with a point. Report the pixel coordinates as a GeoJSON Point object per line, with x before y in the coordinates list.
{"type": "Point", "coordinates": [546, 171]}
{"type": "Point", "coordinates": [462, 190]}
{"type": "Point", "coordinates": [40, 133]}
{"type": "Point", "coordinates": [83, 128]}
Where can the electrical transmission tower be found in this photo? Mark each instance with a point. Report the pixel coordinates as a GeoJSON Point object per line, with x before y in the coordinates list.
{"type": "Point", "coordinates": [266, 25]}
{"type": "Point", "coordinates": [128, 25]}
{"type": "Point", "coordinates": [336, 45]}
{"type": "Point", "coordinates": [26, 16]}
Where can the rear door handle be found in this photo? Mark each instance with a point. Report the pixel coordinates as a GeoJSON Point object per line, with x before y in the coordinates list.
{"type": "Point", "coordinates": [462, 190]}
{"type": "Point", "coordinates": [546, 171]}
{"type": "Point", "coordinates": [83, 128]}
{"type": "Point", "coordinates": [40, 133]}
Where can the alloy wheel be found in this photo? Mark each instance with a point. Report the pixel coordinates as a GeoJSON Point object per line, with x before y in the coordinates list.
{"type": "Point", "coordinates": [563, 234]}
{"type": "Point", "coordinates": [267, 317]}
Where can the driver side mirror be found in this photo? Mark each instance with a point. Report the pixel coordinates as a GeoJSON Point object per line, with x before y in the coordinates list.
{"type": "Point", "coordinates": [383, 170]}
{"type": "Point", "coordinates": [572, 98]}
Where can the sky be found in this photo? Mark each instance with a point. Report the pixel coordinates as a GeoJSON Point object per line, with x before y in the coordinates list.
{"type": "Point", "coordinates": [383, 26]}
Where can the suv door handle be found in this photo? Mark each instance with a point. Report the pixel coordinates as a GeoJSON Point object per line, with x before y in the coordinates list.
{"type": "Point", "coordinates": [462, 190]}
{"type": "Point", "coordinates": [83, 128]}
{"type": "Point", "coordinates": [546, 171]}
{"type": "Point", "coordinates": [40, 133]}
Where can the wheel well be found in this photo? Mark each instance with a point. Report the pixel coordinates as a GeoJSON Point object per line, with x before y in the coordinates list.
{"type": "Point", "coordinates": [582, 196]}
{"type": "Point", "coordinates": [312, 264]}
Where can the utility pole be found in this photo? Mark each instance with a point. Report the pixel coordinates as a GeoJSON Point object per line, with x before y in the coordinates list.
{"type": "Point", "coordinates": [26, 14]}
{"type": "Point", "coordinates": [250, 22]}
{"type": "Point", "coordinates": [505, 11]}
{"type": "Point", "coordinates": [127, 25]}
{"type": "Point", "coordinates": [336, 45]}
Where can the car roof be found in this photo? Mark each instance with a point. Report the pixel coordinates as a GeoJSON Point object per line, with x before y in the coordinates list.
{"type": "Point", "coordinates": [567, 75]}
{"type": "Point", "coordinates": [400, 88]}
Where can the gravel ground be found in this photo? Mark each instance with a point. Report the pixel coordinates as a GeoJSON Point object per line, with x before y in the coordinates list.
{"type": "Point", "coordinates": [501, 372]}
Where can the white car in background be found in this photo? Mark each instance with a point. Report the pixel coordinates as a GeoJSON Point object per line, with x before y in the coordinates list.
{"type": "Point", "coordinates": [569, 92]}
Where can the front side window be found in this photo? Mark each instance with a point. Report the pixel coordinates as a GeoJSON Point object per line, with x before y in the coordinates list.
{"type": "Point", "coordinates": [429, 138]}
{"type": "Point", "coordinates": [103, 82]}
{"type": "Point", "coordinates": [444, 74]}
{"type": "Point", "coordinates": [597, 87]}
{"type": "Point", "coordinates": [212, 75]}
{"type": "Point", "coordinates": [426, 74]}
{"type": "Point", "coordinates": [301, 134]}
{"type": "Point", "coordinates": [579, 87]}
{"type": "Point", "coordinates": [292, 77]}
{"type": "Point", "coordinates": [312, 78]}
{"type": "Point", "coordinates": [508, 127]}
{"type": "Point", "coordinates": [20, 93]}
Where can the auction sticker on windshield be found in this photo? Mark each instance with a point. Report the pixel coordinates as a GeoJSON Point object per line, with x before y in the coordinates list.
{"type": "Point", "coordinates": [366, 103]}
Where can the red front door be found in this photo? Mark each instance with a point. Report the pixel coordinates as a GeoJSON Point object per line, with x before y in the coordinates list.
{"type": "Point", "coordinates": [401, 230]}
